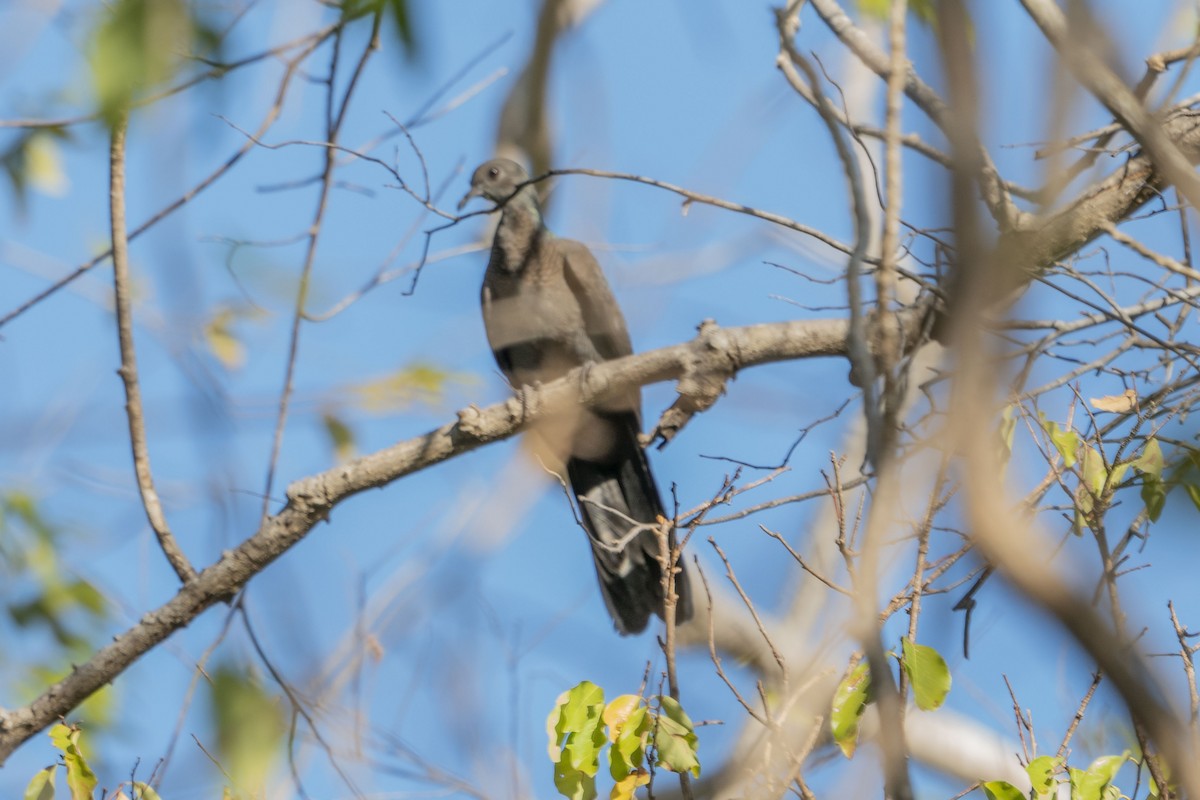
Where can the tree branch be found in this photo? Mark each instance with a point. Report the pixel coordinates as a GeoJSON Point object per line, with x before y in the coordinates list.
{"type": "Point", "coordinates": [310, 500]}
{"type": "Point", "coordinates": [1091, 71]}
{"type": "Point", "coordinates": [1024, 253]}
{"type": "Point", "coordinates": [128, 370]}
{"type": "Point", "coordinates": [994, 193]}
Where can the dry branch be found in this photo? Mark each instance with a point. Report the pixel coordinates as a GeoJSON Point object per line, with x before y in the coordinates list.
{"type": "Point", "coordinates": [310, 500]}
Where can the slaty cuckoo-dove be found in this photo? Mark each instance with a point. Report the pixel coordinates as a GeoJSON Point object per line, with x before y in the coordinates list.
{"type": "Point", "coordinates": [548, 309]}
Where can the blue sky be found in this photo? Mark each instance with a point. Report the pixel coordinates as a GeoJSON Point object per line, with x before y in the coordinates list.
{"type": "Point", "coordinates": [493, 607]}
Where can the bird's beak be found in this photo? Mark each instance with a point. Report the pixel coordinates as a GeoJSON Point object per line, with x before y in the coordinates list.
{"type": "Point", "coordinates": [474, 192]}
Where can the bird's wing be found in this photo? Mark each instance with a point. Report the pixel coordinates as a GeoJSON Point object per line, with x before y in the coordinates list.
{"type": "Point", "coordinates": [602, 318]}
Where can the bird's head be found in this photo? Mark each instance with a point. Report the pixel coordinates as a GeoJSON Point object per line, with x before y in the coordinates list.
{"type": "Point", "coordinates": [497, 180]}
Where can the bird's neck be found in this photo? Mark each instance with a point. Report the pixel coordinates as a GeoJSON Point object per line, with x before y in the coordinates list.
{"type": "Point", "coordinates": [520, 231]}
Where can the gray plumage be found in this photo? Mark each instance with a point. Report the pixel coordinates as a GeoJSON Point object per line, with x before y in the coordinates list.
{"type": "Point", "coordinates": [548, 309]}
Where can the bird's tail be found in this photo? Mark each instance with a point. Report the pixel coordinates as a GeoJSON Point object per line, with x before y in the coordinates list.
{"type": "Point", "coordinates": [617, 493]}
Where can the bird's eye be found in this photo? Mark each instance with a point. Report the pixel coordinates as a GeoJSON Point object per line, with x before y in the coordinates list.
{"type": "Point", "coordinates": [494, 172]}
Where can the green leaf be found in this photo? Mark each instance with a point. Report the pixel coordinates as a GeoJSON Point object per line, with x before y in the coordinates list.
{"type": "Point", "coordinates": [250, 726]}
{"type": "Point", "coordinates": [556, 727]}
{"type": "Point", "coordinates": [1154, 496]}
{"type": "Point", "coordinates": [572, 783]}
{"type": "Point", "coordinates": [585, 727]}
{"type": "Point", "coordinates": [929, 674]}
{"type": "Point", "coordinates": [576, 730]}
{"type": "Point", "coordinates": [1118, 474]}
{"type": "Point", "coordinates": [628, 752]}
{"type": "Point", "coordinates": [675, 739]}
{"type": "Point", "coordinates": [136, 47]}
{"type": "Point", "coordinates": [1002, 790]}
{"type": "Point", "coordinates": [1078, 790]}
{"type": "Point", "coordinates": [849, 702]}
{"type": "Point", "coordinates": [628, 725]}
{"type": "Point", "coordinates": [41, 787]}
{"type": "Point", "coordinates": [1150, 462]}
{"type": "Point", "coordinates": [1093, 470]}
{"type": "Point", "coordinates": [80, 778]}
{"type": "Point", "coordinates": [402, 18]}
{"type": "Point", "coordinates": [1107, 767]}
{"type": "Point", "coordinates": [399, 12]}
{"type": "Point", "coordinates": [1041, 772]}
{"type": "Point", "coordinates": [1065, 441]}
{"type": "Point", "coordinates": [1193, 492]}
{"type": "Point", "coordinates": [87, 597]}
{"type": "Point", "coordinates": [1094, 783]}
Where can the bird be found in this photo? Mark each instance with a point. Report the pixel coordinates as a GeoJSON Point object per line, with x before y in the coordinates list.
{"type": "Point", "coordinates": [548, 309]}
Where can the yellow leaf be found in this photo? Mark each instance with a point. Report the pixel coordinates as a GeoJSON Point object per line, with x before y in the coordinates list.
{"type": "Point", "coordinates": [624, 789]}
{"type": "Point", "coordinates": [419, 381]}
{"type": "Point", "coordinates": [340, 435]}
{"type": "Point", "coordinates": [43, 166]}
{"type": "Point", "coordinates": [617, 711]}
{"type": "Point", "coordinates": [221, 341]}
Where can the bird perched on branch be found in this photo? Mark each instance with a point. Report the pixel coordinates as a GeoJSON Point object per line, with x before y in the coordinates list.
{"type": "Point", "coordinates": [548, 309]}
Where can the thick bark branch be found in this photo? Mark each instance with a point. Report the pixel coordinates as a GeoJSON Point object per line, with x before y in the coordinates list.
{"type": "Point", "coordinates": [1024, 253]}
{"type": "Point", "coordinates": [310, 500]}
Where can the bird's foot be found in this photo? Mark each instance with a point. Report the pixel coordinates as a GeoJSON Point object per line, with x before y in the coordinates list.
{"type": "Point", "coordinates": [526, 400]}
{"type": "Point", "coordinates": [585, 375]}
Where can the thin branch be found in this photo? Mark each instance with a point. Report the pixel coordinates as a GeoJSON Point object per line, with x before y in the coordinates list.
{"type": "Point", "coordinates": [1187, 653]}
{"type": "Point", "coordinates": [709, 200]}
{"type": "Point", "coordinates": [1166, 262]}
{"type": "Point", "coordinates": [762, 629]}
{"type": "Point", "coordinates": [217, 70]}
{"type": "Point", "coordinates": [1078, 718]}
{"type": "Point", "coordinates": [999, 202]}
{"type": "Point", "coordinates": [129, 371]}
{"type": "Point", "coordinates": [271, 116]}
{"type": "Point", "coordinates": [310, 255]}
{"type": "Point", "coordinates": [1091, 71]}
{"type": "Point", "coordinates": [862, 364]}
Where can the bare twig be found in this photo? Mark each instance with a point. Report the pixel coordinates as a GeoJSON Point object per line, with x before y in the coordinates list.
{"type": "Point", "coordinates": [999, 203]}
{"type": "Point", "coordinates": [308, 41]}
{"type": "Point", "coordinates": [763, 718]}
{"type": "Point", "coordinates": [268, 120]}
{"type": "Point", "coordinates": [709, 200]}
{"type": "Point", "coordinates": [335, 120]}
{"type": "Point", "coordinates": [1090, 70]}
{"type": "Point", "coordinates": [762, 629]}
{"type": "Point", "coordinates": [1078, 718]}
{"type": "Point", "coordinates": [128, 371]}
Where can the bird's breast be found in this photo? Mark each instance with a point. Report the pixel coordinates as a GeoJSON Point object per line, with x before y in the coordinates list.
{"type": "Point", "coordinates": [531, 312]}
